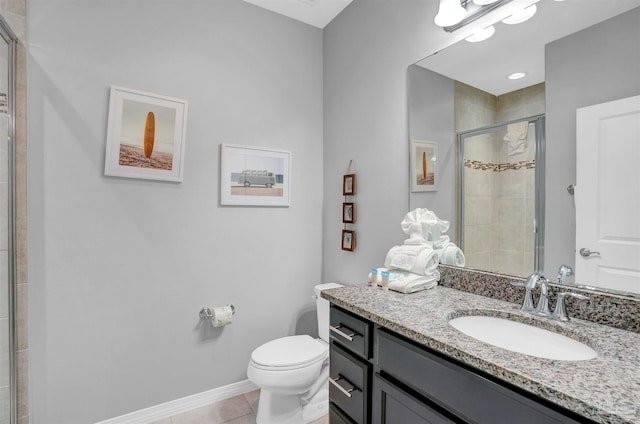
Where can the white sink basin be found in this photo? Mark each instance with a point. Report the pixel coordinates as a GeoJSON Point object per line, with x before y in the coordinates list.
{"type": "Point", "coordinates": [523, 338]}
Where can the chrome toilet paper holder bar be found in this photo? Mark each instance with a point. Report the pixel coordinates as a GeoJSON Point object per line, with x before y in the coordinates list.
{"type": "Point", "coordinates": [207, 313]}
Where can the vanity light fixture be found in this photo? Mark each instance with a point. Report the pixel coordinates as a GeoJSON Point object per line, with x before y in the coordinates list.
{"type": "Point", "coordinates": [450, 13]}
{"type": "Point", "coordinates": [517, 75]}
{"type": "Point", "coordinates": [522, 15]}
{"type": "Point", "coordinates": [481, 35]}
{"type": "Point", "coordinates": [455, 14]}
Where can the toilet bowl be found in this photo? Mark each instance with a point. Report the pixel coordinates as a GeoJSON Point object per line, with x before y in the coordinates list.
{"type": "Point", "coordinates": [292, 373]}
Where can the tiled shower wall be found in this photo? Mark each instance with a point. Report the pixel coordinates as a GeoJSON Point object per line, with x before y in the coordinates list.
{"type": "Point", "coordinates": [14, 14]}
{"type": "Point", "coordinates": [499, 205]}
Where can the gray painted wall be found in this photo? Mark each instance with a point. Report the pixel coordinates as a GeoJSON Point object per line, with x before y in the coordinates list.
{"type": "Point", "coordinates": [119, 268]}
{"type": "Point", "coordinates": [367, 50]}
{"type": "Point", "coordinates": [596, 65]}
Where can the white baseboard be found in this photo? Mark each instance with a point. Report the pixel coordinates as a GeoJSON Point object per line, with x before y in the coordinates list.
{"type": "Point", "coordinates": [178, 406]}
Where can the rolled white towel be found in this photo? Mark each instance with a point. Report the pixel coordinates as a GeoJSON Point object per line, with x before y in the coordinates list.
{"type": "Point", "coordinates": [441, 243]}
{"type": "Point", "coordinates": [419, 259]}
{"type": "Point", "coordinates": [451, 254]}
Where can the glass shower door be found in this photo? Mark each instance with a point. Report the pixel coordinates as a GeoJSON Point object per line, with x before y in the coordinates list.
{"type": "Point", "coordinates": [500, 175]}
{"type": "Point", "coordinates": [7, 380]}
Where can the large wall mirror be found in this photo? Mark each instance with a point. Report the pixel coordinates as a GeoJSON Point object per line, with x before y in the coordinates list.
{"type": "Point", "coordinates": [513, 141]}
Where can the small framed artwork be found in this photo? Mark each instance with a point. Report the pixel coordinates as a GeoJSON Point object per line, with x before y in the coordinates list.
{"type": "Point", "coordinates": [348, 240]}
{"type": "Point", "coordinates": [349, 185]}
{"type": "Point", "coordinates": [424, 166]}
{"type": "Point", "coordinates": [349, 213]}
{"type": "Point", "coordinates": [254, 176]}
{"type": "Point", "coordinates": [145, 135]}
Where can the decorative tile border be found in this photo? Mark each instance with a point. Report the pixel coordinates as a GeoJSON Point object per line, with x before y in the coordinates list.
{"type": "Point", "coordinates": [499, 167]}
{"type": "Point", "coordinates": [616, 311]}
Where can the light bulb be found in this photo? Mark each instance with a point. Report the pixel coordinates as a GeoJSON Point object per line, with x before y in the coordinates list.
{"type": "Point", "coordinates": [450, 13]}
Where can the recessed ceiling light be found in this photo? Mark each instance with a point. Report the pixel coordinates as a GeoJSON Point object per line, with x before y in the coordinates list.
{"type": "Point", "coordinates": [517, 75]}
{"type": "Point", "coordinates": [481, 35]}
{"type": "Point", "coordinates": [521, 15]}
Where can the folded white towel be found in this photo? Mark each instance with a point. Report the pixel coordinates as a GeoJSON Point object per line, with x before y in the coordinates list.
{"type": "Point", "coordinates": [417, 240]}
{"type": "Point", "coordinates": [413, 284]}
{"type": "Point", "coordinates": [422, 222]}
{"type": "Point", "coordinates": [419, 259]}
{"type": "Point", "coordinates": [451, 254]}
{"type": "Point", "coordinates": [516, 137]}
{"type": "Point", "coordinates": [403, 276]}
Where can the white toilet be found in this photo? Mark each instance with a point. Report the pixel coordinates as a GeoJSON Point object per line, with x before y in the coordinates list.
{"type": "Point", "coordinates": [292, 373]}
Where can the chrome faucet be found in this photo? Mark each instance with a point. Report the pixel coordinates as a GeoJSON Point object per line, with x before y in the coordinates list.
{"type": "Point", "coordinates": [563, 272]}
{"type": "Point", "coordinates": [543, 303]}
{"type": "Point", "coordinates": [542, 309]}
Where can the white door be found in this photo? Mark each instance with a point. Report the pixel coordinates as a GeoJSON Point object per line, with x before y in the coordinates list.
{"type": "Point", "coordinates": [607, 195]}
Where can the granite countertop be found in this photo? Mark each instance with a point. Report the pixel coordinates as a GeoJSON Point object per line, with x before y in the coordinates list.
{"type": "Point", "coordinates": [605, 389]}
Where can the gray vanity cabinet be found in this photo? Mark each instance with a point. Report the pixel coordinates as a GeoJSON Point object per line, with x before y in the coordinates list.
{"type": "Point", "coordinates": [380, 377]}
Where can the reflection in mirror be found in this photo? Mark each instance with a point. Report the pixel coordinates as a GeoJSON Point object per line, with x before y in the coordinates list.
{"type": "Point", "coordinates": [585, 79]}
{"type": "Point", "coordinates": [497, 198]}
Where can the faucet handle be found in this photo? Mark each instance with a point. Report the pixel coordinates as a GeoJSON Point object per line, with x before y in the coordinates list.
{"type": "Point", "coordinates": [560, 312]}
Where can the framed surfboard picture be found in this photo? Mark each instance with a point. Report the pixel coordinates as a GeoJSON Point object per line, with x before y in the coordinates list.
{"type": "Point", "coordinates": [145, 135]}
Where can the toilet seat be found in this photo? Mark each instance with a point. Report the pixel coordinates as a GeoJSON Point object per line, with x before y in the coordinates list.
{"type": "Point", "coordinates": [289, 353]}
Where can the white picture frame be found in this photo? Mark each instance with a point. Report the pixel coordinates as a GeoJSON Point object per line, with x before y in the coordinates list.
{"type": "Point", "coordinates": [145, 135]}
{"type": "Point", "coordinates": [254, 176]}
{"type": "Point", "coordinates": [424, 166]}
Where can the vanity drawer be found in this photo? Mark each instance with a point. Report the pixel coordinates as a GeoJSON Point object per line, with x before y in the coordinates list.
{"type": "Point", "coordinates": [350, 331]}
{"type": "Point", "coordinates": [349, 383]}
{"type": "Point", "coordinates": [467, 395]}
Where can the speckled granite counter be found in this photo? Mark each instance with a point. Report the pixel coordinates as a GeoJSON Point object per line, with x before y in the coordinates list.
{"type": "Point", "coordinates": [605, 389]}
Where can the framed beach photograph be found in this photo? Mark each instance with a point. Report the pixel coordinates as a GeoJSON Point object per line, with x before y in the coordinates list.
{"type": "Point", "coordinates": [349, 184]}
{"type": "Point", "coordinates": [254, 176]}
{"type": "Point", "coordinates": [349, 213]}
{"type": "Point", "coordinates": [424, 166]}
{"type": "Point", "coordinates": [348, 240]}
{"type": "Point", "coordinates": [145, 135]}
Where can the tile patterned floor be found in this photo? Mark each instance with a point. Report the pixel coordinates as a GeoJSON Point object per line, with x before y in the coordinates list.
{"type": "Point", "coordinates": [240, 409]}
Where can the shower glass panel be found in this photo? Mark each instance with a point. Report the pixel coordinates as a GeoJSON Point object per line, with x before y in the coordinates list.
{"type": "Point", "coordinates": [7, 380]}
{"type": "Point", "coordinates": [498, 199]}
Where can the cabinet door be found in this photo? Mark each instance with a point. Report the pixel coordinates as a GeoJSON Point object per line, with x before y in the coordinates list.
{"type": "Point", "coordinates": [391, 405]}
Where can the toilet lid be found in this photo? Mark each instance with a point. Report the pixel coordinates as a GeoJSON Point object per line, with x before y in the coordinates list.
{"type": "Point", "coordinates": [292, 351]}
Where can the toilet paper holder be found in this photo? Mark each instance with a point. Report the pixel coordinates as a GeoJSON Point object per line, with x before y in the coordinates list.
{"type": "Point", "coordinates": [207, 313]}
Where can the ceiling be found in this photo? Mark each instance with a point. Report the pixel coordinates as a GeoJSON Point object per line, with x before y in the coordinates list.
{"type": "Point", "coordinates": [520, 48]}
{"type": "Point", "coordinates": [313, 12]}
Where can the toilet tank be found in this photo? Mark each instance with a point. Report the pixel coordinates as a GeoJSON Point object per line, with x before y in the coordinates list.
{"type": "Point", "coordinates": [322, 309]}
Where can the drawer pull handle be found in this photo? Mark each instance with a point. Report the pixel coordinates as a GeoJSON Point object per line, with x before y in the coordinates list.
{"type": "Point", "coordinates": [343, 334]}
{"type": "Point", "coordinates": [347, 392]}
